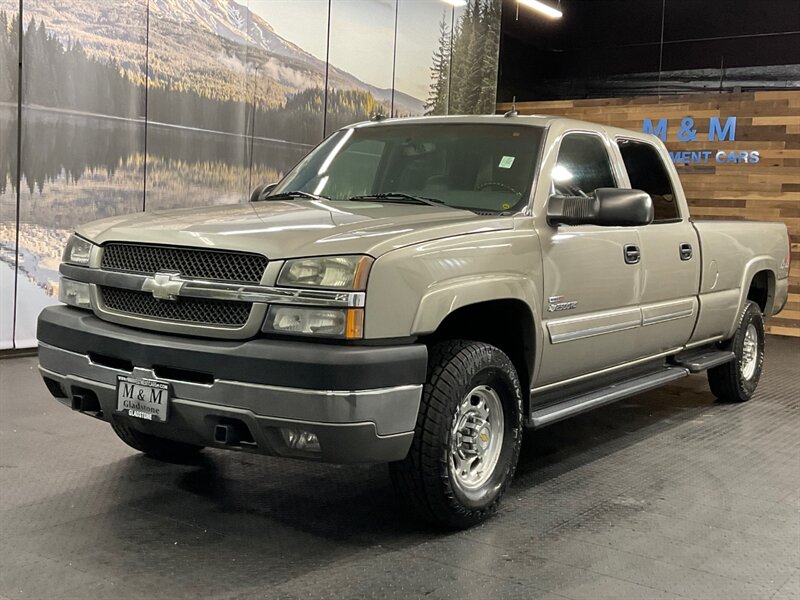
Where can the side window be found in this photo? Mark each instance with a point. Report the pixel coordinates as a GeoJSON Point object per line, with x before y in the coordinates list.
{"type": "Point", "coordinates": [647, 172]}
{"type": "Point", "coordinates": [582, 166]}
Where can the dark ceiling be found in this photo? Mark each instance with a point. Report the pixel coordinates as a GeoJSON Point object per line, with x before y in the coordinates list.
{"type": "Point", "coordinates": [598, 39]}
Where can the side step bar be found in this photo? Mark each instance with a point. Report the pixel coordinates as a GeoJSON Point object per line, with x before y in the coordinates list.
{"type": "Point", "coordinates": [607, 395]}
{"type": "Point", "coordinates": [700, 360]}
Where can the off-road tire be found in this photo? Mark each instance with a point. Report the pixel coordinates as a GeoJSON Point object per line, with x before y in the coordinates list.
{"type": "Point", "coordinates": [423, 479]}
{"type": "Point", "coordinates": [727, 381]}
{"type": "Point", "coordinates": [155, 447]}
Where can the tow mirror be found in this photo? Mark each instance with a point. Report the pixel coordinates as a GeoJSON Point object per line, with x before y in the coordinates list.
{"type": "Point", "coordinates": [260, 191]}
{"type": "Point", "coordinates": [606, 206]}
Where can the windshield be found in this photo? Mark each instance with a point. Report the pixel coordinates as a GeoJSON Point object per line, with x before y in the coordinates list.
{"type": "Point", "coordinates": [483, 167]}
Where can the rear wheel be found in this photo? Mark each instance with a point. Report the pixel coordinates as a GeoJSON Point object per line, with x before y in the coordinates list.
{"type": "Point", "coordinates": [467, 438]}
{"type": "Point", "coordinates": [736, 381]}
{"type": "Point", "coordinates": [155, 447]}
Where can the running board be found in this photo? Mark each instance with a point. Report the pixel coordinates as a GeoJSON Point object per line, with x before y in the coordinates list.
{"type": "Point", "coordinates": [607, 395]}
{"type": "Point", "coordinates": [700, 360]}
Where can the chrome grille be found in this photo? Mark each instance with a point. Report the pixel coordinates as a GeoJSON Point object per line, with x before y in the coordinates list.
{"type": "Point", "coordinates": [223, 265]}
{"type": "Point", "coordinates": [186, 310]}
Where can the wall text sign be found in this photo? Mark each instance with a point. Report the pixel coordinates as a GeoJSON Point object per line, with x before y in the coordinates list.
{"type": "Point", "coordinates": [688, 132]}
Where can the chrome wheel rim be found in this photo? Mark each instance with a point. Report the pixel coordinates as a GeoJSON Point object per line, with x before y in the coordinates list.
{"type": "Point", "coordinates": [476, 437]}
{"type": "Point", "coordinates": [747, 366]}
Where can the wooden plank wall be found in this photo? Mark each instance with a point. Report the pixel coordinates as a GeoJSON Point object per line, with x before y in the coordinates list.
{"type": "Point", "coordinates": [769, 190]}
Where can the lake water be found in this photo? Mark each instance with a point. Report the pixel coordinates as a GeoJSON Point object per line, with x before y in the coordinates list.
{"type": "Point", "coordinates": [78, 168]}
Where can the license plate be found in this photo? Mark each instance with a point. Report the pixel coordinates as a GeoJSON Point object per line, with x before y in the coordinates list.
{"type": "Point", "coordinates": [143, 398]}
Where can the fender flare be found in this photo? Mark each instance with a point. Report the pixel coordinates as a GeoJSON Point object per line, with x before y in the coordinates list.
{"type": "Point", "coordinates": [753, 266]}
{"type": "Point", "coordinates": [445, 297]}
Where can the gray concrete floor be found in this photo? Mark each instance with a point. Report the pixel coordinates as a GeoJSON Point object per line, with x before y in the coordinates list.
{"type": "Point", "coordinates": [666, 495]}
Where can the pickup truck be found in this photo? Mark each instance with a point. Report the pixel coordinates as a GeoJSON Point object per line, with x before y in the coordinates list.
{"type": "Point", "coordinates": [416, 292]}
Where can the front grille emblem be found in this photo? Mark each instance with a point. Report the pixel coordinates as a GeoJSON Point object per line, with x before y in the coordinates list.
{"type": "Point", "coordinates": [164, 285]}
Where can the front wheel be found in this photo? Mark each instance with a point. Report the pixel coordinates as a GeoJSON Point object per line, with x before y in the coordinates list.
{"type": "Point", "coordinates": [468, 435]}
{"type": "Point", "coordinates": [736, 381]}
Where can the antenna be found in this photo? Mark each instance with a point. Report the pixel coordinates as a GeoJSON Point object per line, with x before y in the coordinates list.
{"type": "Point", "coordinates": [378, 116]}
{"type": "Point", "coordinates": [513, 112]}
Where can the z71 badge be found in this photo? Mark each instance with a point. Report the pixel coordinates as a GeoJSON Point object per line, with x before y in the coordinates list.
{"type": "Point", "coordinates": [557, 303]}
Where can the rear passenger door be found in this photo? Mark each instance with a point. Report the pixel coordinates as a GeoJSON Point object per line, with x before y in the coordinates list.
{"type": "Point", "coordinates": [670, 251]}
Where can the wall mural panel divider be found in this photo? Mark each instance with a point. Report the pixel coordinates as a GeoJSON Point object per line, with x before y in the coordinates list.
{"type": "Point", "coordinates": [190, 103]}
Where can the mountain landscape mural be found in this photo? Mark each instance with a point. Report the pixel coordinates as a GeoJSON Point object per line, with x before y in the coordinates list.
{"type": "Point", "coordinates": [155, 104]}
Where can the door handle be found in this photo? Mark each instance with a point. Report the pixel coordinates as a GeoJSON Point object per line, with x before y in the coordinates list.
{"type": "Point", "coordinates": [686, 251]}
{"type": "Point", "coordinates": [632, 254]}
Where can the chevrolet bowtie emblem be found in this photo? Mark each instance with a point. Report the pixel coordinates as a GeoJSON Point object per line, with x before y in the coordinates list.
{"type": "Point", "coordinates": [164, 286]}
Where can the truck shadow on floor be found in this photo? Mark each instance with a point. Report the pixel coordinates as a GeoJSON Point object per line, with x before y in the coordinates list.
{"type": "Point", "coordinates": [257, 517]}
{"type": "Point", "coordinates": [356, 504]}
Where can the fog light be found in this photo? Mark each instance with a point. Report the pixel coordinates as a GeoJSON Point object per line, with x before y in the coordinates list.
{"type": "Point", "coordinates": [298, 439]}
{"type": "Point", "coordinates": [75, 293]}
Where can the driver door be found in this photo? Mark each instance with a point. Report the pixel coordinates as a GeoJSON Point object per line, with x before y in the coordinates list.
{"type": "Point", "coordinates": [591, 306]}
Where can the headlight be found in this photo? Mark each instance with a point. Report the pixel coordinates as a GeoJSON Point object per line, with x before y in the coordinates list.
{"type": "Point", "coordinates": [333, 272]}
{"type": "Point", "coordinates": [77, 251]}
{"type": "Point", "coordinates": [344, 323]}
{"type": "Point", "coordinates": [75, 293]}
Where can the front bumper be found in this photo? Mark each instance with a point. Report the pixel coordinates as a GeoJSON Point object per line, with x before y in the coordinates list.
{"type": "Point", "coordinates": [360, 401]}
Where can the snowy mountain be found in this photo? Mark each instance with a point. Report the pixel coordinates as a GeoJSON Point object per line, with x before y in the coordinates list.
{"type": "Point", "coordinates": [237, 23]}
{"type": "Point", "coordinates": [208, 46]}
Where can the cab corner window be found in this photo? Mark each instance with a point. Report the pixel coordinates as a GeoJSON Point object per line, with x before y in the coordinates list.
{"type": "Point", "coordinates": [647, 172]}
{"type": "Point", "coordinates": [582, 166]}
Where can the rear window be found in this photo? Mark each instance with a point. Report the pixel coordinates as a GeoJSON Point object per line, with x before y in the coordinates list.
{"type": "Point", "coordinates": [647, 172]}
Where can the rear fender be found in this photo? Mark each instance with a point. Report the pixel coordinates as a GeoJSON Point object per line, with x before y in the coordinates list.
{"type": "Point", "coordinates": [751, 268]}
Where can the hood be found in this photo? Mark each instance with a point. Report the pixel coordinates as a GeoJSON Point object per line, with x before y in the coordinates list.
{"type": "Point", "coordinates": [288, 229]}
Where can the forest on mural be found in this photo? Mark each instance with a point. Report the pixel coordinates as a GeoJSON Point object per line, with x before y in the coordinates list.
{"type": "Point", "coordinates": [105, 88]}
{"type": "Point", "coordinates": [464, 64]}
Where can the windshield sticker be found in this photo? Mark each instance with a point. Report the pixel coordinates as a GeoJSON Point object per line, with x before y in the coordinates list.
{"type": "Point", "coordinates": [506, 162]}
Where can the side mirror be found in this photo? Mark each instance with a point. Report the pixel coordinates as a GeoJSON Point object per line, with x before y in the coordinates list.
{"type": "Point", "coordinates": [260, 191]}
{"type": "Point", "coordinates": [607, 206]}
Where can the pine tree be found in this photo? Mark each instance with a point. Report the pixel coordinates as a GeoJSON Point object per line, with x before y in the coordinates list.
{"type": "Point", "coordinates": [490, 35]}
{"type": "Point", "coordinates": [438, 97]}
{"type": "Point", "coordinates": [473, 70]}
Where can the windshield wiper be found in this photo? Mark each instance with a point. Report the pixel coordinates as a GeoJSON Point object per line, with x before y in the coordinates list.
{"type": "Point", "coordinates": [401, 198]}
{"type": "Point", "coordinates": [292, 195]}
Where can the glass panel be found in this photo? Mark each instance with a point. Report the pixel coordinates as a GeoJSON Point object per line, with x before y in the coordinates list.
{"type": "Point", "coordinates": [598, 49]}
{"type": "Point", "coordinates": [458, 45]}
{"type": "Point", "coordinates": [422, 59]}
{"type": "Point", "coordinates": [82, 152]}
{"type": "Point", "coordinates": [708, 50]}
{"type": "Point", "coordinates": [476, 43]}
{"type": "Point", "coordinates": [582, 166]}
{"type": "Point", "coordinates": [286, 77]}
{"type": "Point", "coordinates": [9, 46]}
{"type": "Point", "coordinates": [361, 60]}
{"type": "Point", "coordinates": [198, 101]}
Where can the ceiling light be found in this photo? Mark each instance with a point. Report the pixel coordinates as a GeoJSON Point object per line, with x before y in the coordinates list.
{"type": "Point", "coordinates": [456, 2]}
{"type": "Point", "coordinates": [543, 8]}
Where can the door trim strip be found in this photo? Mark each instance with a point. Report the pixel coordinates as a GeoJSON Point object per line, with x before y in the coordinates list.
{"type": "Point", "coordinates": [576, 328]}
{"type": "Point", "coordinates": [653, 313]}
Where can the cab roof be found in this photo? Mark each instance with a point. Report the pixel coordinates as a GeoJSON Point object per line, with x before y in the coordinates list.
{"type": "Point", "coordinates": [545, 121]}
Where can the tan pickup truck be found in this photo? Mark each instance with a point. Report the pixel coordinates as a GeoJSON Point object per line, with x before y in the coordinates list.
{"type": "Point", "coordinates": [415, 291]}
